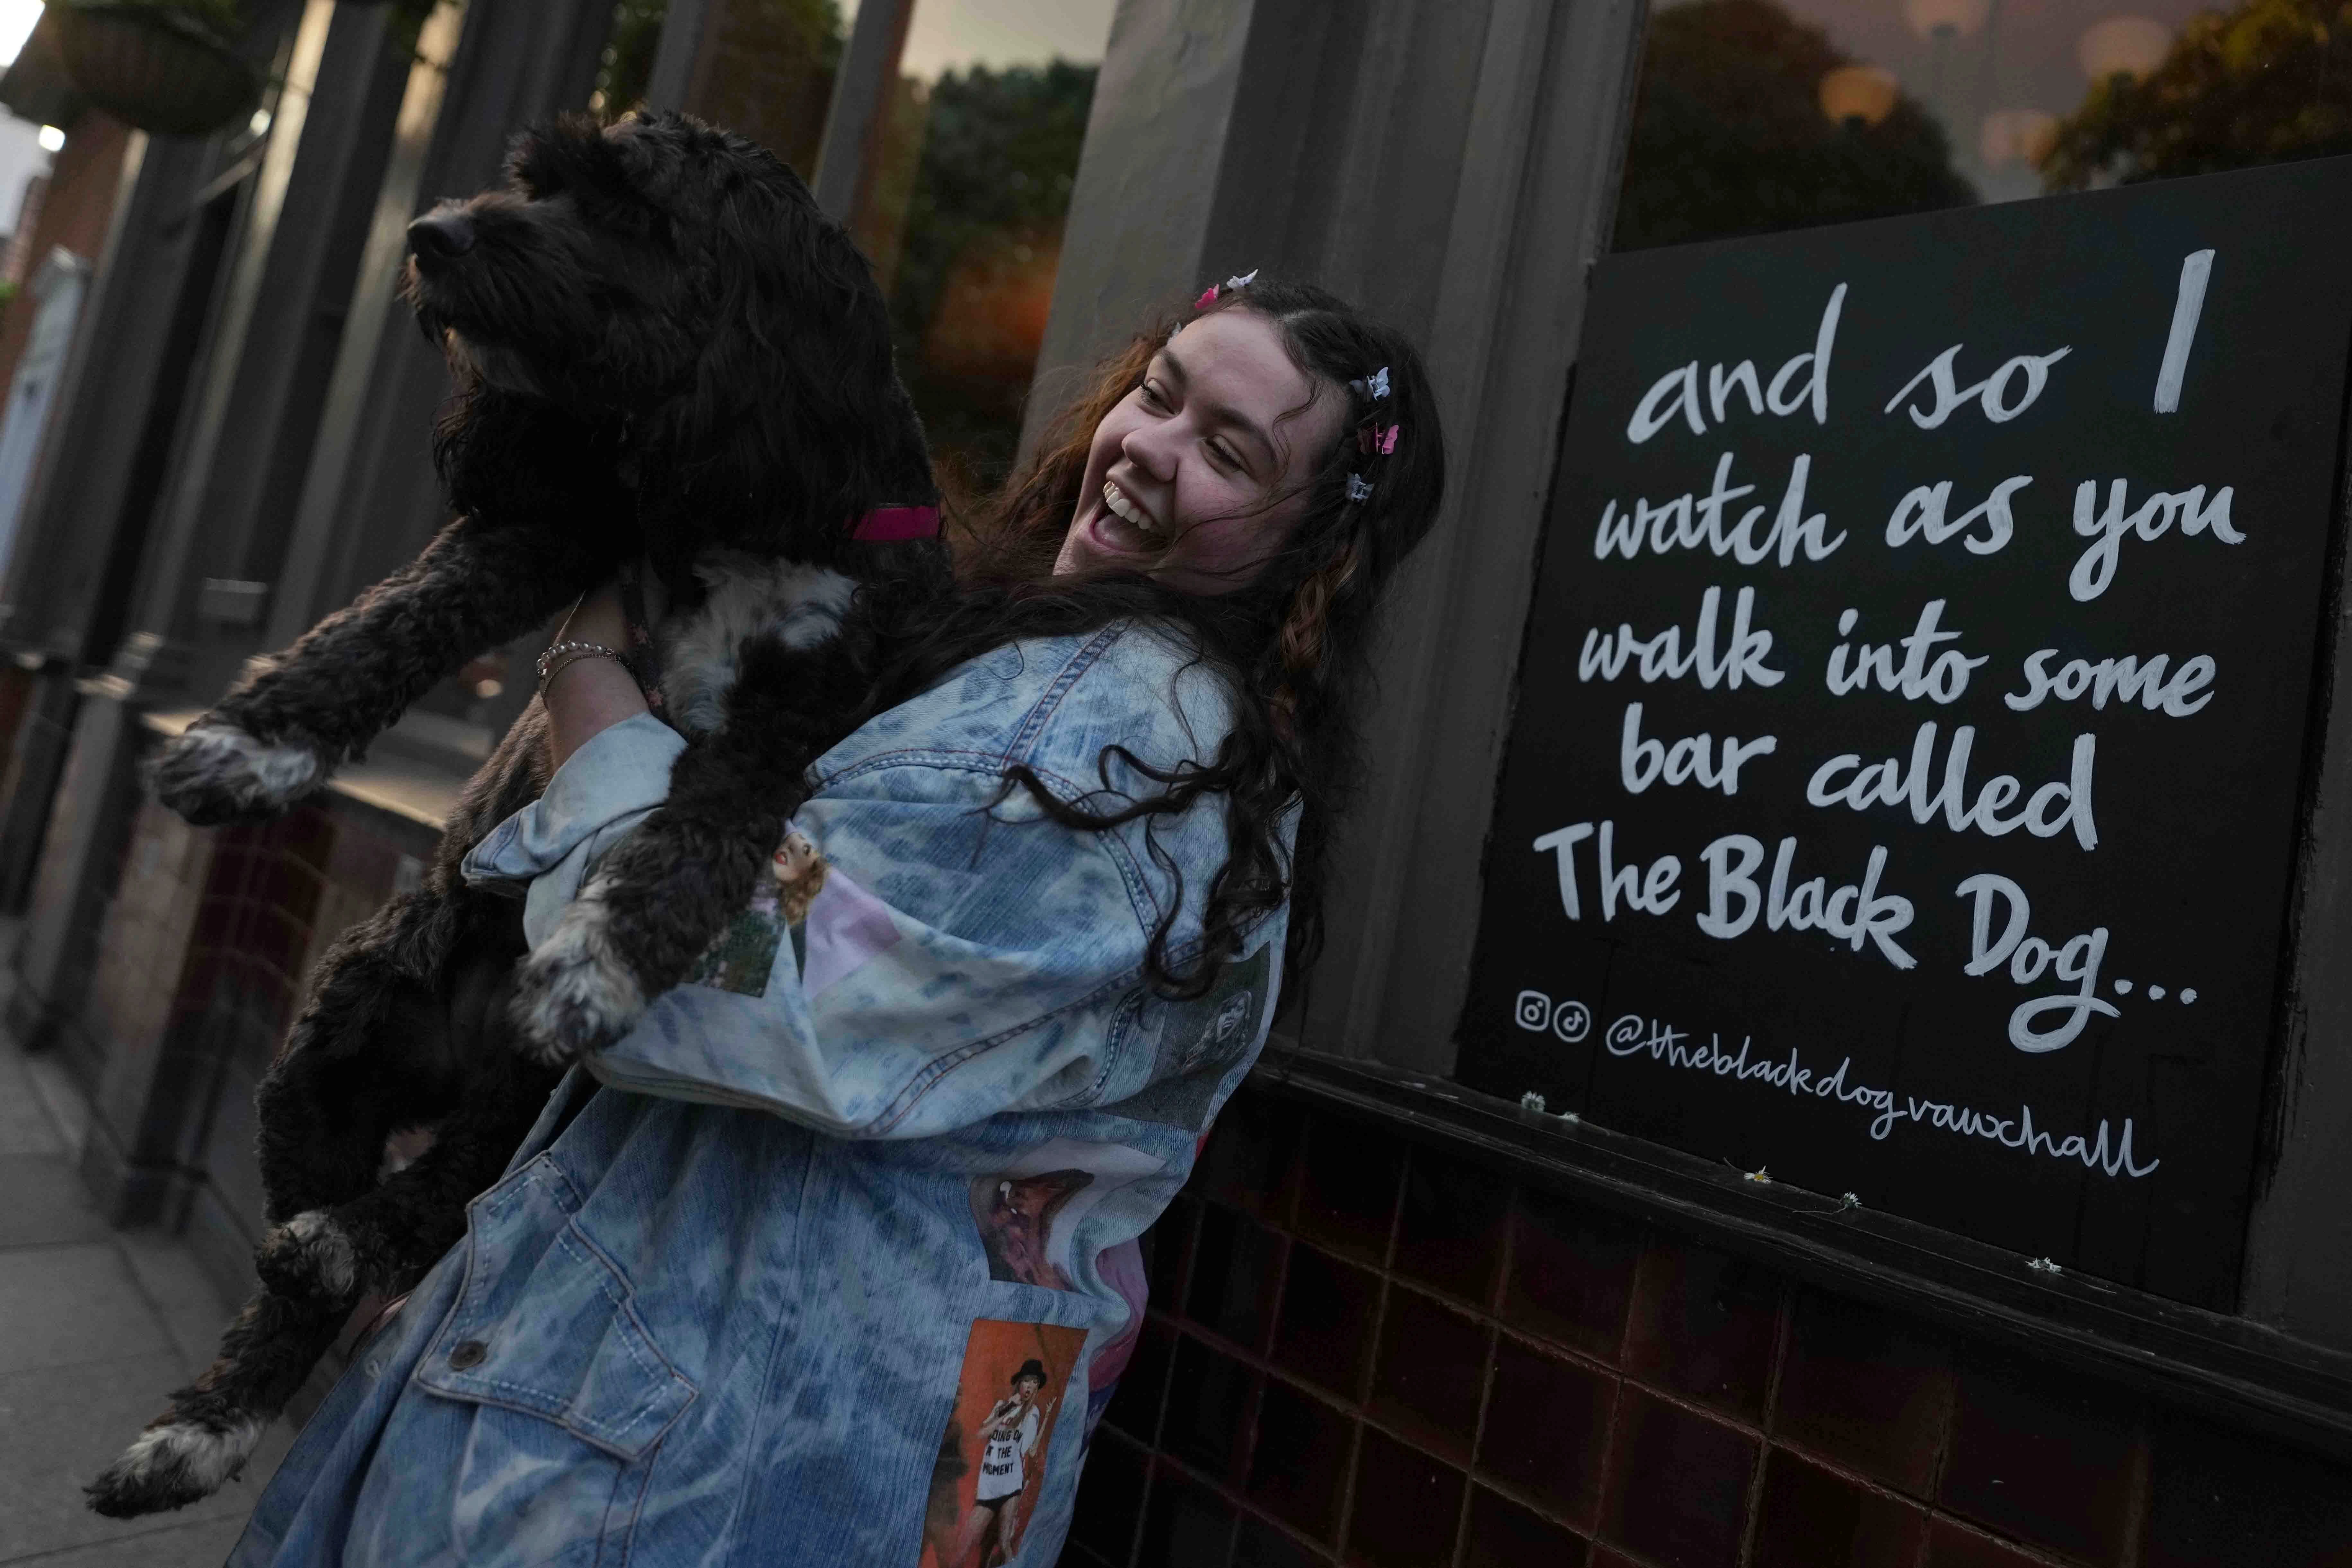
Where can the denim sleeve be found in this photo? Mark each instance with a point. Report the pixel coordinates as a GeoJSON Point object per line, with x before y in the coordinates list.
{"type": "Point", "coordinates": [602, 791]}
{"type": "Point", "coordinates": [964, 956]}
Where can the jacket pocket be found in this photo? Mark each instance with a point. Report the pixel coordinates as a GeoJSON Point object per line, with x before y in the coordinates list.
{"type": "Point", "coordinates": [545, 1324]}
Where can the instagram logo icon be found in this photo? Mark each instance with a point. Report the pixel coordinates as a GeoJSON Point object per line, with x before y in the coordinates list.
{"type": "Point", "coordinates": [1538, 1013]}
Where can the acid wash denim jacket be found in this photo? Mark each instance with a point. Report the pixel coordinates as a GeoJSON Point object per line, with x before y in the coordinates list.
{"type": "Point", "coordinates": [837, 1263]}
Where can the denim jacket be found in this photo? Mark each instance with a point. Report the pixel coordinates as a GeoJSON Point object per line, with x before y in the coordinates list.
{"type": "Point", "coordinates": [837, 1261]}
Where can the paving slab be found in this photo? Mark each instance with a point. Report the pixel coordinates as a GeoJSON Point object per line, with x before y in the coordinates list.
{"type": "Point", "coordinates": [60, 1426]}
{"type": "Point", "coordinates": [24, 1125]}
{"type": "Point", "coordinates": [43, 1201]}
{"type": "Point", "coordinates": [202, 1544]}
{"type": "Point", "coordinates": [180, 1290]}
{"type": "Point", "coordinates": [79, 1302]}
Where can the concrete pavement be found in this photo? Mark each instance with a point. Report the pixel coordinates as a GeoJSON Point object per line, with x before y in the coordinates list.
{"type": "Point", "coordinates": [96, 1326]}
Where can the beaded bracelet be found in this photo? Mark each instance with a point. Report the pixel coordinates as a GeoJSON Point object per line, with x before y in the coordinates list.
{"type": "Point", "coordinates": [581, 650]}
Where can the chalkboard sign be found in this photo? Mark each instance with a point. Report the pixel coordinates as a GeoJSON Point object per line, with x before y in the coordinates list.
{"type": "Point", "coordinates": [1904, 791]}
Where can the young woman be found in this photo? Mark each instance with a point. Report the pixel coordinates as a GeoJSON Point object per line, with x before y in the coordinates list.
{"type": "Point", "coordinates": [734, 1304]}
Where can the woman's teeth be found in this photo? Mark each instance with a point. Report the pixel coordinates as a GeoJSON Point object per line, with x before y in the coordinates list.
{"type": "Point", "coordinates": [1116, 500]}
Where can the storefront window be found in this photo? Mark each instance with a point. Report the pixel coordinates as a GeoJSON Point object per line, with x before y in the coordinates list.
{"type": "Point", "coordinates": [1755, 115]}
{"type": "Point", "coordinates": [962, 204]}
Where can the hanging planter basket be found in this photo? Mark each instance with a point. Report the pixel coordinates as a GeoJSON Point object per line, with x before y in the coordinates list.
{"type": "Point", "coordinates": [153, 68]}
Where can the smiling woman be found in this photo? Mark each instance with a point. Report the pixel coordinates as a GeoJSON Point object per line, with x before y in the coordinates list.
{"type": "Point", "coordinates": [1196, 476]}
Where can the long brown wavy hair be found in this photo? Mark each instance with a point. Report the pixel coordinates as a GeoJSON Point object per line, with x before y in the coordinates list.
{"type": "Point", "coordinates": [1292, 646]}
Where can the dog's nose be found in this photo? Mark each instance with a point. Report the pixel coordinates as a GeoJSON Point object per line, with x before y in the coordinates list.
{"type": "Point", "coordinates": [440, 235]}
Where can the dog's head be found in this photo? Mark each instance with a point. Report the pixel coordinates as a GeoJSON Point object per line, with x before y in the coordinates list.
{"type": "Point", "coordinates": [675, 289]}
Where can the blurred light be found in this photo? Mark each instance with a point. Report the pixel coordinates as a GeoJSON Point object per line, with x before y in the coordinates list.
{"type": "Point", "coordinates": [52, 139]}
{"type": "Point", "coordinates": [1865, 93]}
{"type": "Point", "coordinates": [16, 19]}
{"type": "Point", "coordinates": [2017, 136]}
{"type": "Point", "coordinates": [2123, 46]}
{"type": "Point", "coordinates": [1944, 18]}
{"type": "Point", "coordinates": [487, 688]}
{"type": "Point", "coordinates": [259, 122]}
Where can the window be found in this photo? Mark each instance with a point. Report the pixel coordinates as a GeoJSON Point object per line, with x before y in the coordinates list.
{"type": "Point", "coordinates": [1755, 115]}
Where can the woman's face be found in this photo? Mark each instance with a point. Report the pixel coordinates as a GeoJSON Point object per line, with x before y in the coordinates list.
{"type": "Point", "coordinates": [1178, 473]}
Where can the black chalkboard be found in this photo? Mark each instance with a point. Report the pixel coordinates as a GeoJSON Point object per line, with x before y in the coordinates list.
{"type": "Point", "coordinates": [2148, 385]}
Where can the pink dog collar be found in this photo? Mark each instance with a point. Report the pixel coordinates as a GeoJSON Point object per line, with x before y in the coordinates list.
{"type": "Point", "coordinates": [889, 522]}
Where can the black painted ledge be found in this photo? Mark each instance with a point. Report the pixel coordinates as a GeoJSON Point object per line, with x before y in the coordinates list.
{"type": "Point", "coordinates": [2226, 1367]}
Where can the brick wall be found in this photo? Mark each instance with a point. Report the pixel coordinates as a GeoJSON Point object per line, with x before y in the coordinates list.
{"type": "Point", "coordinates": [1360, 1352]}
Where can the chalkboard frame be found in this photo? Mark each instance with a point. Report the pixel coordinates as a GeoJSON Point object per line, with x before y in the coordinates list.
{"type": "Point", "coordinates": [2269, 1362]}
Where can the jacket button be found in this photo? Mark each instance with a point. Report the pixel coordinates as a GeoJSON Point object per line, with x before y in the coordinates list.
{"type": "Point", "coordinates": [468, 1356]}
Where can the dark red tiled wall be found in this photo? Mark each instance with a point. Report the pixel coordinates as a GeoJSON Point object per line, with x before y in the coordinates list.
{"type": "Point", "coordinates": [1361, 1351]}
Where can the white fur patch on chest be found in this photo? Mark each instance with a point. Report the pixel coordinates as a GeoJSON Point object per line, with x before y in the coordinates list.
{"type": "Point", "coordinates": [747, 597]}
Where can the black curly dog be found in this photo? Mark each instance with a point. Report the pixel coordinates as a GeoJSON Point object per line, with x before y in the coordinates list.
{"type": "Point", "coordinates": [664, 351]}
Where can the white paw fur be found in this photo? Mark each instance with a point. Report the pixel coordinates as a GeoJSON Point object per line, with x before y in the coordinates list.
{"type": "Point", "coordinates": [313, 1237]}
{"type": "Point", "coordinates": [576, 992]}
{"type": "Point", "coordinates": [748, 596]}
{"type": "Point", "coordinates": [216, 764]}
{"type": "Point", "coordinates": [174, 1464]}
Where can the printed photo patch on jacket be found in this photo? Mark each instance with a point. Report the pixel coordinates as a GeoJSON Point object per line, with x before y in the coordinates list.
{"type": "Point", "coordinates": [1028, 1214]}
{"type": "Point", "coordinates": [745, 953]}
{"type": "Point", "coordinates": [992, 1465]}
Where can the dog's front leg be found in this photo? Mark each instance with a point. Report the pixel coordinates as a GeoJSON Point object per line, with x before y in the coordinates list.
{"type": "Point", "coordinates": [659, 899]}
{"type": "Point", "coordinates": [279, 733]}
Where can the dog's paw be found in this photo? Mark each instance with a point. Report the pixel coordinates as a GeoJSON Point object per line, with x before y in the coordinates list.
{"type": "Point", "coordinates": [575, 992]}
{"type": "Point", "coordinates": [171, 1465]}
{"type": "Point", "coordinates": [308, 1258]}
{"type": "Point", "coordinates": [215, 772]}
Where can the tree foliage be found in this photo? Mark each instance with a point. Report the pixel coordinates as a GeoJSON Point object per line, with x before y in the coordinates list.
{"type": "Point", "coordinates": [2269, 81]}
{"type": "Point", "coordinates": [1729, 137]}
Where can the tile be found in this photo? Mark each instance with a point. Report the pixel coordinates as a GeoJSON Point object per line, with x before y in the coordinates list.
{"type": "Point", "coordinates": [46, 1203]}
{"type": "Point", "coordinates": [1604, 1558]}
{"type": "Point", "coordinates": [2221, 1499]}
{"type": "Point", "coordinates": [1324, 1332]}
{"type": "Point", "coordinates": [72, 1303]}
{"type": "Point", "coordinates": [1951, 1545]}
{"type": "Point", "coordinates": [1571, 1273]}
{"type": "Point", "coordinates": [1432, 1368]}
{"type": "Point", "coordinates": [2045, 1456]}
{"type": "Point", "coordinates": [1546, 1429]}
{"type": "Point", "coordinates": [1261, 1545]}
{"type": "Point", "coordinates": [1705, 1324]}
{"type": "Point", "coordinates": [1110, 1497]}
{"type": "Point", "coordinates": [1237, 1277]}
{"type": "Point", "coordinates": [1503, 1534]}
{"type": "Point", "coordinates": [1298, 1465]}
{"type": "Point", "coordinates": [1450, 1226]}
{"type": "Point", "coordinates": [1208, 1408]}
{"type": "Point", "coordinates": [1867, 1388]}
{"type": "Point", "coordinates": [202, 1544]}
{"type": "Point", "coordinates": [1186, 1525]}
{"type": "Point", "coordinates": [67, 1106]}
{"type": "Point", "coordinates": [1811, 1516]}
{"type": "Point", "coordinates": [1168, 1249]}
{"type": "Point", "coordinates": [1247, 1162]}
{"type": "Point", "coordinates": [1678, 1485]}
{"type": "Point", "coordinates": [1408, 1506]}
{"type": "Point", "coordinates": [1142, 1390]}
{"type": "Point", "coordinates": [1348, 1183]}
{"type": "Point", "coordinates": [60, 1425]}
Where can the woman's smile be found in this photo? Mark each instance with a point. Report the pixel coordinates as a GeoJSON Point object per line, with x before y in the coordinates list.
{"type": "Point", "coordinates": [1123, 525]}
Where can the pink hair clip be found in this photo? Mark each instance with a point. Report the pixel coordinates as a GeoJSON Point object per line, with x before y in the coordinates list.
{"type": "Point", "coordinates": [1372, 439]}
{"type": "Point", "coordinates": [1208, 297]}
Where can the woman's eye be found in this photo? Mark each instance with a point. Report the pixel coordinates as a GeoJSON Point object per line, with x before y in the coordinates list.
{"type": "Point", "coordinates": [1151, 396]}
{"type": "Point", "coordinates": [1225, 455]}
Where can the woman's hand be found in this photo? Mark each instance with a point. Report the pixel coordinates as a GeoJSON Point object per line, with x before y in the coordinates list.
{"type": "Point", "coordinates": [587, 694]}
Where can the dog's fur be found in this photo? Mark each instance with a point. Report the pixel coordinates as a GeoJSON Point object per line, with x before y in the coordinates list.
{"type": "Point", "coordinates": [662, 349]}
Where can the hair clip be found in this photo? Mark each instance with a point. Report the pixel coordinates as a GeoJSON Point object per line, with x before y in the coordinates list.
{"type": "Point", "coordinates": [1244, 282]}
{"type": "Point", "coordinates": [1208, 297]}
{"type": "Point", "coordinates": [1371, 439]}
{"type": "Point", "coordinates": [1373, 387]}
{"type": "Point", "coordinates": [1359, 487]}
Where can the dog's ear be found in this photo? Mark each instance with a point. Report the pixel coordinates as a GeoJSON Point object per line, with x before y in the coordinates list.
{"type": "Point", "coordinates": [795, 412]}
